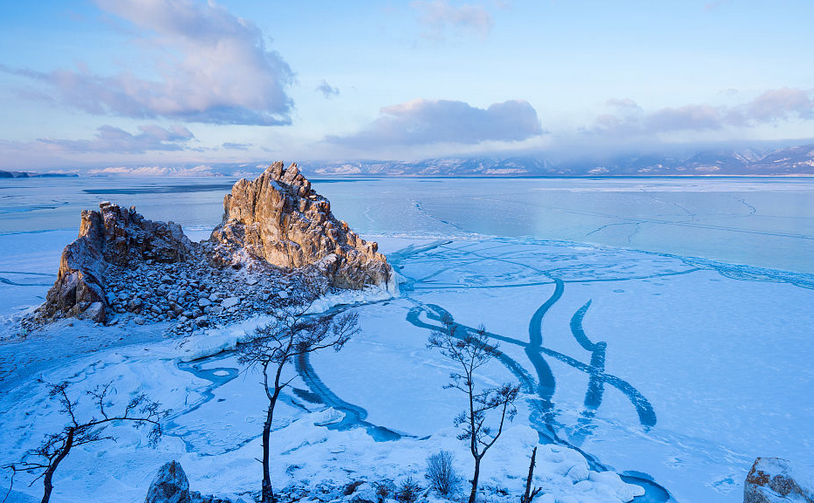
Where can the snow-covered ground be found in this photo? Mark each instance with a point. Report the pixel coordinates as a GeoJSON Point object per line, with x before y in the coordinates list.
{"type": "Point", "coordinates": [704, 367]}
{"type": "Point", "coordinates": [702, 374]}
{"type": "Point", "coordinates": [218, 413]}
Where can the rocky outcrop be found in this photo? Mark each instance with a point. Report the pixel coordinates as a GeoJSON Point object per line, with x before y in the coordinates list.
{"type": "Point", "coordinates": [275, 231]}
{"type": "Point", "coordinates": [774, 480]}
{"type": "Point", "coordinates": [112, 235]}
{"type": "Point", "coordinates": [279, 218]}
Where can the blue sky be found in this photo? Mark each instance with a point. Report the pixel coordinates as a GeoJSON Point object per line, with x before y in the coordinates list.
{"type": "Point", "coordinates": [157, 82]}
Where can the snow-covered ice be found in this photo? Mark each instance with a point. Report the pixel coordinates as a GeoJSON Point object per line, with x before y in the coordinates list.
{"type": "Point", "coordinates": [653, 366]}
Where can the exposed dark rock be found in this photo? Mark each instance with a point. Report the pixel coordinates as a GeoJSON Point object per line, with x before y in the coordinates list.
{"type": "Point", "coordinates": [170, 485]}
{"type": "Point", "coordinates": [278, 217]}
{"type": "Point", "coordinates": [772, 480]}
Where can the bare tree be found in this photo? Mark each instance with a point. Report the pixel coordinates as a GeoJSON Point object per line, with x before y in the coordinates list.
{"type": "Point", "coordinates": [292, 333]}
{"type": "Point", "coordinates": [55, 447]}
{"type": "Point", "coordinates": [471, 350]}
{"type": "Point", "coordinates": [530, 493]}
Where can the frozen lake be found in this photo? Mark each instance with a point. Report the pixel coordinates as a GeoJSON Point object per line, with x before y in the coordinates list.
{"type": "Point", "coordinates": [646, 360]}
{"type": "Point", "coordinates": [763, 222]}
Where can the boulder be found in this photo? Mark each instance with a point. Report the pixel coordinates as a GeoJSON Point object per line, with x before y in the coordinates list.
{"type": "Point", "coordinates": [280, 219]}
{"type": "Point", "coordinates": [95, 311]}
{"type": "Point", "coordinates": [170, 485]}
{"type": "Point", "coordinates": [775, 480]}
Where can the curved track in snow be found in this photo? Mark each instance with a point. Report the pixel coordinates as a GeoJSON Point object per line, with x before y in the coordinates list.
{"type": "Point", "coordinates": [354, 414]}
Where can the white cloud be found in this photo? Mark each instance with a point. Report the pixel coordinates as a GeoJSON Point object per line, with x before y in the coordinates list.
{"type": "Point", "coordinates": [112, 139]}
{"type": "Point", "coordinates": [421, 122]}
{"type": "Point", "coordinates": [230, 145]}
{"type": "Point", "coordinates": [327, 90]}
{"type": "Point", "coordinates": [780, 104]}
{"type": "Point", "coordinates": [214, 67]}
{"type": "Point", "coordinates": [772, 106]}
{"type": "Point", "coordinates": [438, 16]}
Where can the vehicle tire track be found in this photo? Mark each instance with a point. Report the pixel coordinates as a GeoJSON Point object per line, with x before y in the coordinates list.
{"type": "Point", "coordinates": [354, 414]}
{"type": "Point", "coordinates": [546, 382]}
{"type": "Point", "coordinates": [596, 382]}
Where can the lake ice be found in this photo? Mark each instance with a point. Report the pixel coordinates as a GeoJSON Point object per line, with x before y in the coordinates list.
{"type": "Point", "coordinates": [706, 359]}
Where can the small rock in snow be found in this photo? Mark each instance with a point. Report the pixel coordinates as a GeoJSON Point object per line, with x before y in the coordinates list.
{"type": "Point", "coordinates": [230, 302]}
{"type": "Point", "coordinates": [170, 485]}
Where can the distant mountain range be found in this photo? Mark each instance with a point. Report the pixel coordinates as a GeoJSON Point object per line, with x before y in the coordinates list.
{"type": "Point", "coordinates": [31, 174]}
{"type": "Point", "coordinates": [786, 161]}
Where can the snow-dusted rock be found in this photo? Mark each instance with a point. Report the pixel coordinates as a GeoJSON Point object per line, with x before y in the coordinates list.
{"type": "Point", "coordinates": [230, 302]}
{"type": "Point", "coordinates": [170, 485]}
{"type": "Point", "coordinates": [775, 480]}
{"type": "Point", "coordinates": [95, 311]}
{"type": "Point", "coordinates": [112, 235]}
{"type": "Point", "coordinates": [279, 218]}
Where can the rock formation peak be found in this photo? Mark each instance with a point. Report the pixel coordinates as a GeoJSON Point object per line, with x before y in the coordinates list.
{"type": "Point", "coordinates": [279, 218]}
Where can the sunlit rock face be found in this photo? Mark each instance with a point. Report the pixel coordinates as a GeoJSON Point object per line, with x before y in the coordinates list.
{"type": "Point", "coordinates": [112, 235]}
{"type": "Point", "coordinates": [279, 218]}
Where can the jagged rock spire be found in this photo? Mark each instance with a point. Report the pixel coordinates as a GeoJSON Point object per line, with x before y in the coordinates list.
{"type": "Point", "coordinates": [278, 217]}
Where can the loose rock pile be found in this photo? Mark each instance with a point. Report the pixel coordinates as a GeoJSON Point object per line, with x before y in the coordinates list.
{"type": "Point", "coordinates": [276, 230]}
{"type": "Point", "coordinates": [193, 294]}
{"type": "Point", "coordinates": [111, 237]}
